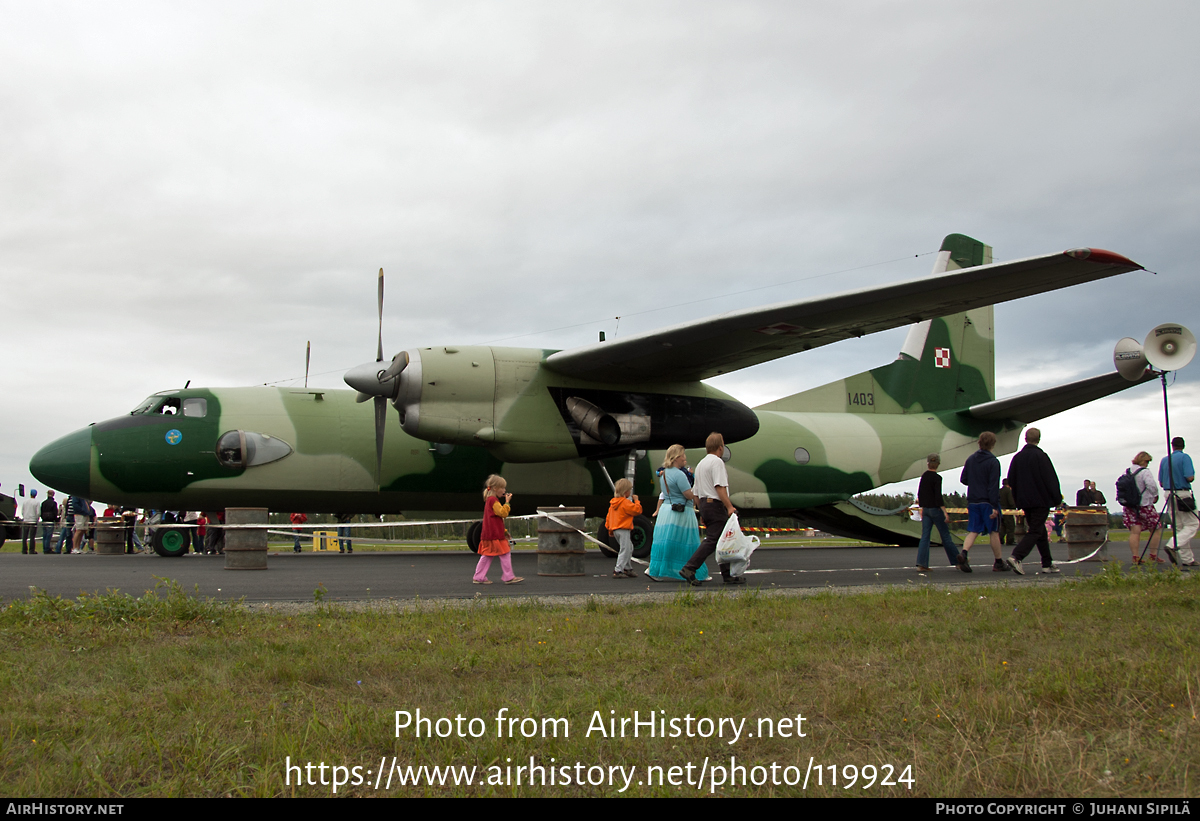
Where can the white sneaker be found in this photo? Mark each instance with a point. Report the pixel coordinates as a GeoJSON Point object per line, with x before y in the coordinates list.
{"type": "Point", "coordinates": [1051, 569]}
{"type": "Point", "coordinates": [1015, 565]}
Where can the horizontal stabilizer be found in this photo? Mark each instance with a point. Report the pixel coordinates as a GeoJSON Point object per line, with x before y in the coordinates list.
{"type": "Point", "coordinates": [1030, 407]}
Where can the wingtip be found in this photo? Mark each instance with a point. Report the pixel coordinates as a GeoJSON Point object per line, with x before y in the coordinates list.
{"type": "Point", "coordinates": [1101, 256]}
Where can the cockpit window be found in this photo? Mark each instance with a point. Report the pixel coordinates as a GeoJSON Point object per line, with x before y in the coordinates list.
{"type": "Point", "coordinates": [173, 406]}
{"type": "Point", "coordinates": [146, 405]}
{"type": "Point", "coordinates": [156, 404]}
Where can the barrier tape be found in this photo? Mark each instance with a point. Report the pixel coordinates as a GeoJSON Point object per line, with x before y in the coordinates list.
{"type": "Point", "coordinates": [326, 526]}
{"type": "Point", "coordinates": [777, 529]}
{"type": "Point", "coordinates": [274, 528]}
{"type": "Point", "coordinates": [559, 521]}
{"type": "Point", "coordinates": [1103, 544]}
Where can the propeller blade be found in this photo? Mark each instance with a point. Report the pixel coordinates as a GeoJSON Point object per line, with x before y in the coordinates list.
{"type": "Point", "coordinates": [379, 355]}
{"type": "Point", "coordinates": [399, 363]}
{"type": "Point", "coordinates": [307, 359]}
{"type": "Point", "coordinates": [380, 422]}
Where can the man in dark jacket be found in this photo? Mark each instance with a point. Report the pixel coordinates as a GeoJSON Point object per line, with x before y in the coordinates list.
{"type": "Point", "coordinates": [1036, 489]}
{"type": "Point", "coordinates": [49, 520]}
{"type": "Point", "coordinates": [1085, 496]}
{"type": "Point", "coordinates": [981, 475]}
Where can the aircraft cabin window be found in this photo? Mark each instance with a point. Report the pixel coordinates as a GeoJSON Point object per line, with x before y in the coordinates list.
{"type": "Point", "coordinates": [196, 407]}
{"type": "Point", "coordinates": [241, 449]}
{"type": "Point", "coordinates": [169, 408]}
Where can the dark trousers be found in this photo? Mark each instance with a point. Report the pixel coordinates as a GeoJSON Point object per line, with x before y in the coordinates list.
{"type": "Point", "coordinates": [214, 540]}
{"type": "Point", "coordinates": [1008, 530]}
{"type": "Point", "coordinates": [1035, 533]}
{"type": "Point", "coordinates": [714, 517]}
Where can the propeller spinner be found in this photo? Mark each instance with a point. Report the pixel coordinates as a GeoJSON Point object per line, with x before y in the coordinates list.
{"type": "Point", "coordinates": [373, 380]}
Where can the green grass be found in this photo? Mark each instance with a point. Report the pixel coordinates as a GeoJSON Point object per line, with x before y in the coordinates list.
{"type": "Point", "coordinates": [1087, 688]}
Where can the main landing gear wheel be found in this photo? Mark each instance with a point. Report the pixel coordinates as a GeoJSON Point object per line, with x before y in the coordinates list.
{"type": "Point", "coordinates": [612, 548]}
{"type": "Point", "coordinates": [642, 536]}
{"type": "Point", "coordinates": [169, 542]}
{"type": "Point", "coordinates": [8, 531]}
{"type": "Point", "coordinates": [474, 536]}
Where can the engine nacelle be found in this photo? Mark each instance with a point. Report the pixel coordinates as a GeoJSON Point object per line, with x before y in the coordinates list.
{"type": "Point", "coordinates": [448, 394]}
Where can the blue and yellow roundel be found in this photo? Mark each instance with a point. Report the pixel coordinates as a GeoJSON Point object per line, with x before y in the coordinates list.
{"type": "Point", "coordinates": [174, 437]}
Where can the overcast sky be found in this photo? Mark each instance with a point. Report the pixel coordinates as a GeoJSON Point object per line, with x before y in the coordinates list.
{"type": "Point", "coordinates": [191, 191]}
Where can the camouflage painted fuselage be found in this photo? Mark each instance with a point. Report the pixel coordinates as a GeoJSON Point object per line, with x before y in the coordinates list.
{"type": "Point", "coordinates": [500, 411]}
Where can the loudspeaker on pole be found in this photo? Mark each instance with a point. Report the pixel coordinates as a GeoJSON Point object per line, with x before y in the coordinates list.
{"type": "Point", "coordinates": [1130, 359]}
{"type": "Point", "coordinates": [1169, 347]}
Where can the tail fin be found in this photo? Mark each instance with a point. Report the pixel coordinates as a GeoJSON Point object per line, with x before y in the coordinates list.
{"type": "Point", "coordinates": [944, 364]}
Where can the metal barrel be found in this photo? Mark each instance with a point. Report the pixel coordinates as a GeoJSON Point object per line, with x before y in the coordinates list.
{"type": "Point", "coordinates": [1086, 529]}
{"type": "Point", "coordinates": [561, 547]}
{"type": "Point", "coordinates": [110, 536]}
{"type": "Point", "coordinates": [1021, 529]}
{"type": "Point", "coordinates": [246, 549]}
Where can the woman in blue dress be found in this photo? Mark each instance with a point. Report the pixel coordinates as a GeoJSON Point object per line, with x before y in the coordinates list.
{"type": "Point", "coordinates": [676, 535]}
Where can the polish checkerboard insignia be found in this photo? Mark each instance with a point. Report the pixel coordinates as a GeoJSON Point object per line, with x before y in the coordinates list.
{"type": "Point", "coordinates": [941, 357]}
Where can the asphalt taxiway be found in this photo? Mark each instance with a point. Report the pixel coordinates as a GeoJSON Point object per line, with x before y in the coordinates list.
{"type": "Point", "coordinates": [401, 575]}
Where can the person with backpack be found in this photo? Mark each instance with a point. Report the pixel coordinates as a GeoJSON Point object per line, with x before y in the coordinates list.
{"type": "Point", "coordinates": [1137, 493]}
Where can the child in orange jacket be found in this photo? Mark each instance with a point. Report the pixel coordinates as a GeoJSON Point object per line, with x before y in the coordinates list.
{"type": "Point", "coordinates": [619, 522]}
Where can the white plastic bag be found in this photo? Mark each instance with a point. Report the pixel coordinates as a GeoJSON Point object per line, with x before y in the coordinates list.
{"type": "Point", "coordinates": [734, 547]}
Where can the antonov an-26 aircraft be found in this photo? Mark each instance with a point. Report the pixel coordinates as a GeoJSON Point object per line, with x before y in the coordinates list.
{"type": "Point", "coordinates": [548, 419]}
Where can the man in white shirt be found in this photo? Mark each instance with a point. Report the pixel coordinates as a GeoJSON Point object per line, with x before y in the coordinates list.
{"type": "Point", "coordinates": [30, 509]}
{"type": "Point", "coordinates": [712, 494]}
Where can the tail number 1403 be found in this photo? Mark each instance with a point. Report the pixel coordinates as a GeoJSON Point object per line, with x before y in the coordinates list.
{"type": "Point", "coordinates": [860, 399]}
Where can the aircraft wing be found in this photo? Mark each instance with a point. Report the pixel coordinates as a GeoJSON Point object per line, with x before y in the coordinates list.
{"type": "Point", "coordinates": [727, 342]}
{"type": "Point", "coordinates": [1030, 407]}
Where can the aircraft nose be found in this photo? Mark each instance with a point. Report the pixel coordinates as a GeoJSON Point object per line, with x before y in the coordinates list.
{"type": "Point", "coordinates": [65, 464]}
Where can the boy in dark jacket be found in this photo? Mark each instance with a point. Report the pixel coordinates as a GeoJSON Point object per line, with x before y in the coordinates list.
{"type": "Point", "coordinates": [933, 514]}
{"type": "Point", "coordinates": [981, 475]}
